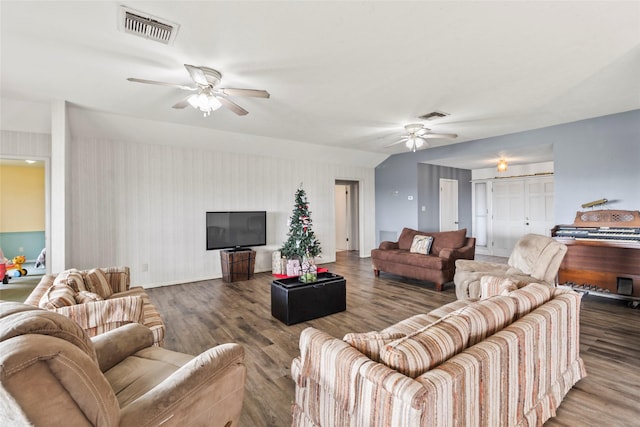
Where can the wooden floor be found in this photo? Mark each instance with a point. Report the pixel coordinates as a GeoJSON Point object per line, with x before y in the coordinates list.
{"type": "Point", "coordinates": [202, 314]}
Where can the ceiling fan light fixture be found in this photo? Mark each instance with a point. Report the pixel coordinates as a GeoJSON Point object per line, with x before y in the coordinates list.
{"type": "Point", "coordinates": [414, 142]}
{"type": "Point", "coordinates": [204, 102]}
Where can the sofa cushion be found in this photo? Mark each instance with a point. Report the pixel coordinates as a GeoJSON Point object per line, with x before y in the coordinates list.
{"type": "Point", "coordinates": [403, 257]}
{"type": "Point", "coordinates": [421, 244]}
{"type": "Point", "coordinates": [488, 316]}
{"type": "Point", "coordinates": [83, 297]}
{"type": "Point", "coordinates": [448, 239]}
{"type": "Point", "coordinates": [496, 285]}
{"type": "Point", "coordinates": [71, 277]}
{"type": "Point", "coordinates": [428, 347]}
{"type": "Point", "coordinates": [530, 297]}
{"type": "Point", "coordinates": [410, 325]}
{"type": "Point", "coordinates": [118, 278]}
{"type": "Point", "coordinates": [58, 295]}
{"type": "Point", "coordinates": [96, 282]}
{"type": "Point", "coordinates": [406, 238]}
{"type": "Point", "coordinates": [451, 307]}
{"type": "Point", "coordinates": [370, 343]}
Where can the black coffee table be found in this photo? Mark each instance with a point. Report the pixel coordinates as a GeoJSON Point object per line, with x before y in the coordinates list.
{"type": "Point", "coordinates": [293, 301]}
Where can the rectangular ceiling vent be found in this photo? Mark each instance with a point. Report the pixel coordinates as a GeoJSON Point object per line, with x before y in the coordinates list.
{"type": "Point", "coordinates": [433, 115]}
{"type": "Point", "coordinates": [147, 26]}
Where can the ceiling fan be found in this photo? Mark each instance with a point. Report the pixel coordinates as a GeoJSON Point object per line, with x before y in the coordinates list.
{"type": "Point", "coordinates": [208, 96]}
{"type": "Point", "coordinates": [417, 136]}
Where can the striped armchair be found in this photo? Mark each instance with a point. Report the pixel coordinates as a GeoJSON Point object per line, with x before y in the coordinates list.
{"type": "Point", "coordinates": [99, 300]}
{"type": "Point", "coordinates": [507, 360]}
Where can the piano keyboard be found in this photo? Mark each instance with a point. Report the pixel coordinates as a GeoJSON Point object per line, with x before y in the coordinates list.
{"type": "Point", "coordinates": [599, 233]}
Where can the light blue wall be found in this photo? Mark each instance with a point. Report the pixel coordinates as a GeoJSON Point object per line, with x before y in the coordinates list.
{"type": "Point", "coordinates": [429, 196]}
{"type": "Point", "coordinates": [31, 242]}
{"type": "Point", "coordinates": [593, 158]}
{"type": "Point", "coordinates": [396, 182]}
{"type": "Point", "coordinates": [400, 178]}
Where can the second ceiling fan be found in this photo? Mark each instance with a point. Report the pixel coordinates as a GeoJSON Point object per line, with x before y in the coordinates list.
{"type": "Point", "coordinates": [208, 96]}
{"type": "Point", "coordinates": [417, 136]}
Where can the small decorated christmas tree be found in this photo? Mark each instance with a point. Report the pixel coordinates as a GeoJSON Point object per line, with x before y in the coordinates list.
{"type": "Point", "coordinates": [302, 241]}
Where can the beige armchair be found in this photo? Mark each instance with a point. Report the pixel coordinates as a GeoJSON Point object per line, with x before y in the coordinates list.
{"type": "Point", "coordinates": [52, 373]}
{"type": "Point", "coordinates": [535, 259]}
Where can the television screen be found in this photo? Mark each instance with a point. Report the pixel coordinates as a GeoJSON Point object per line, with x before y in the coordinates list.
{"type": "Point", "coordinates": [236, 229]}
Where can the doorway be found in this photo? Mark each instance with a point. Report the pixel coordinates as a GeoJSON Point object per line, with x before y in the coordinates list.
{"type": "Point", "coordinates": [25, 209]}
{"type": "Point", "coordinates": [346, 215]}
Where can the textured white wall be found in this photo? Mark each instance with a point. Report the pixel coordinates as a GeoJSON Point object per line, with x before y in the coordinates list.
{"type": "Point", "coordinates": [135, 204]}
{"type": "Point", "coordinates": [23, 145]}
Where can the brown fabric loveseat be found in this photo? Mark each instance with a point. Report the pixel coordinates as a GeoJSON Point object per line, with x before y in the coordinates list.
{"type": "Point", "coordinates": [437, 266]}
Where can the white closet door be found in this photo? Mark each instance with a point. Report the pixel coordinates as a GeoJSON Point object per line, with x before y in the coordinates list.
{"type": "Point", "coordinates": [520, 207]}
{"type": "Point", "coordinates": [539, 217]}
{"type": "Point", "coordinates": [508, 215]}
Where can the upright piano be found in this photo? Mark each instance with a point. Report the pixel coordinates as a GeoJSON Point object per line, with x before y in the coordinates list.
{"type": "Point", "coordinates": [603, 255]}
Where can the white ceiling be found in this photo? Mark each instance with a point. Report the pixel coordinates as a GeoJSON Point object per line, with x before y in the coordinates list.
{"type": "Point", "coordinates": [345, 74]}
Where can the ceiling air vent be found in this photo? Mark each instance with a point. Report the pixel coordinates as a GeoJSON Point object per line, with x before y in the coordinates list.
{"type": "Point", "coordinates": [144, 25]}
{"type": "Point", "coordinates": [433, 115]}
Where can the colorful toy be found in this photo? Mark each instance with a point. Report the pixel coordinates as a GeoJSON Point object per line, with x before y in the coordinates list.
{"type": "Point", "coordinates": [3, 268]}
{"type": "Point", "coordinates": [16, 265]}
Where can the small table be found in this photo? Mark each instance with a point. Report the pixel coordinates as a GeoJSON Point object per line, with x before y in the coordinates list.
{"type": "Point", "coordinates": [293, 301]}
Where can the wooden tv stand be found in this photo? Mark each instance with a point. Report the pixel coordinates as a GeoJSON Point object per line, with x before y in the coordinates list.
{"type": "Point", "coordinates": [237, 264]}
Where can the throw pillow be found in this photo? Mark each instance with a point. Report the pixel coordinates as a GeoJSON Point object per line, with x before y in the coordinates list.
{"type": "Point", "coordinates": [71, 277]}
{"type": "Point", "coordinates": [58, 295]}
{"type": "Point", "coordinates": [97, 283]}
{"type": "Point", "coordinates": [428, 347]}
{"type": "Point", "coordinates": [494, 285]}
{"type": "Point", "coordinates": [421, 244]}
{"type": "Point", "coordinates": [371, 343]}
{"type": "Point", "coordinates": [86, 296]}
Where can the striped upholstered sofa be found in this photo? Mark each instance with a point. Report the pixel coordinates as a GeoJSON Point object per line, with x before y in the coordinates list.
{"type": "Point", "coordinates": [507, 360]}
{"type": "Point", "coordinates": [99, 300]}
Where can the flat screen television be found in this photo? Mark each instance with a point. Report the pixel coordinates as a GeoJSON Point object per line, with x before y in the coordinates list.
{"type": "Point", "coordinates": [237, 230]}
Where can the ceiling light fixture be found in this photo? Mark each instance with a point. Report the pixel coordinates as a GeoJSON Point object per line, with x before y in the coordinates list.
{"type": "Point", "coordinates": [414, 142]}
{"type": "Point", "coordinates": [502, 165]}
{"type": "Point", "coordinates": [30, 161]}
{"type": "Point", "coordinates": [204, 101]}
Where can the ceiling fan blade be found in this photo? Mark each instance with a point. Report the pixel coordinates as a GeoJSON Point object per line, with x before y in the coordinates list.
{"type": "Point", "coordinates": [405, 139]}
{"type": "Point", "coordinates": [153, 82]}
{"type": "Point", "coordinates": [197, 75]}
{"type": "Point", "coordinates": [182, 104]}
{"type": "Point", "coordinates": [246, 92]}
{"type": "Point", "coordinates": [233, 106]}
{"type": "Point", "coordinates": [440, 135]}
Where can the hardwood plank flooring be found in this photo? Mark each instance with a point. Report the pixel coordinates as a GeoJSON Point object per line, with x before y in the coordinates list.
{"type": "Point", "coordinates": [203, 314]}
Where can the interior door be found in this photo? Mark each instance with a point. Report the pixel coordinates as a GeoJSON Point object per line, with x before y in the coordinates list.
{"type": "Point", "coordinates": [539, 215]}
{"type": "Point", "coordinates": [448, 204]}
